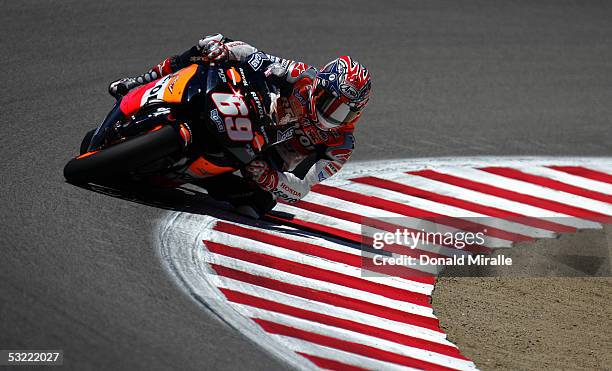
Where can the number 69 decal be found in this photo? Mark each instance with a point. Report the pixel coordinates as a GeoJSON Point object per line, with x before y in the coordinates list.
{"type": "Point", "coordinates": [239, 127]}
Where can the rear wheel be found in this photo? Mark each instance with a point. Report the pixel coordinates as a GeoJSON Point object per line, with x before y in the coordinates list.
{"type": "Point", "coordinates": [118, 161]}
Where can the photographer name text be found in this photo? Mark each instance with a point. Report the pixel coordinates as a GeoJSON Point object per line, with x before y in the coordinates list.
{"type": "Point", "coordinates": [422, 260]}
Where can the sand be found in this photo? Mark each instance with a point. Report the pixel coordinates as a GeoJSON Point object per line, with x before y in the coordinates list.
{"type": "Point", "coordinates": [521, 322]}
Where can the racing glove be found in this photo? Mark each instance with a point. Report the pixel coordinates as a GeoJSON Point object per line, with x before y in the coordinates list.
{"type": "Point", "coordinates": [262, 174]}
{"type": "Point", "coordinates": [288, 188]}
{"type": "Point", "coordinates": [290, 71]}
{"type": "Point", "coordinates": [284, 186]}
{"type": "Point", "coordinates": [213, 48]}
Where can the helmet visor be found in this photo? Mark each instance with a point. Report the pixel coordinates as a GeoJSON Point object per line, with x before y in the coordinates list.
{"type": "Point", "coordinates": [331, 111]}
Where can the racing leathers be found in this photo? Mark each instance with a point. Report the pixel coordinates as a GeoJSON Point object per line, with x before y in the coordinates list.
{"type": "Point", "coordinates": [311, 155]}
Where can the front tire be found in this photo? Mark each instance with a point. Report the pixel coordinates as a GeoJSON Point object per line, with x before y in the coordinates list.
{"type": "Point", "coordinates": [118, 161]}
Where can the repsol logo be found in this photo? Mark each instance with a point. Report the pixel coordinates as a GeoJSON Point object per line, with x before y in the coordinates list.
{"type": "Point", "coordinates": [257, 101]}
{"type": "Point", "coordinates": [285, 197]}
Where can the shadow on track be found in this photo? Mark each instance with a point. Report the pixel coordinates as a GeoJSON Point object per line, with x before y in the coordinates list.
{"type": "Point", "coordinates": [194, 200]}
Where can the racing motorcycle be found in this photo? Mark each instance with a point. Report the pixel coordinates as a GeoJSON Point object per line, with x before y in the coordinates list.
{"type": "Point", "coordinates": [202, 122]}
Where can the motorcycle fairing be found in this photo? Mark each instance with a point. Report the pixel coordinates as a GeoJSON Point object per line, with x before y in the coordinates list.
{"type": "Point", "coordinates": [192, 92]}
{"type": "Point", "coordinates": [202, 168]}
{"type": "Point", "coordinates": [169, 89]}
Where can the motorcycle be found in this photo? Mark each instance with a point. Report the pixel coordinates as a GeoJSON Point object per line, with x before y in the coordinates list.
{"type": "Point", "coordinates": [204, 121]}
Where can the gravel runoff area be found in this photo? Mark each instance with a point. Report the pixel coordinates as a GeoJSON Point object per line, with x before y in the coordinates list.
{"type": "Point", "coordinates": [520, 322]}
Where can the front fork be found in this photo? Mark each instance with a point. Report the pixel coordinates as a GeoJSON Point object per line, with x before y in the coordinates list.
{"type": "Point", "coordinates": [99, 136]}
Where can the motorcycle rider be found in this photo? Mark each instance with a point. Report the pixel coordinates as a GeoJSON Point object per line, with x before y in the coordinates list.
{"type": "Point", "coordinates": [322, 105]}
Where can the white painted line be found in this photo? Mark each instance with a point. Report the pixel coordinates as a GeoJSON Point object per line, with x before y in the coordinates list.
{"type": "Point", "coordinates": [294, 279]}
{"type": "Point", "coordinates": [377, 167]}
{"type": "Point", "coordinates": [298, 345]}
{"type": "Point", "coordinates": [307, 260]}
{"type": "Point", "coordinates": [567, 178]}
{"type": "Point", "coordinates": [355, 337]}
{"type": "Point", "coordinates": [331, 310]}
{"type": "Point", "coordinates": [488, 200]}
{"type": "Point", "coordinates": [528, 189]}
{"type": "Point", "coordinates": [602, 166]}
{"type": "Point", "coordinates": [356, 228]}
{"type": "Point", "coordinates": [177, 247]}
{"type": "Point", "coordinates": [448, 210]}
{"type": "Point", "coordinates": [403, 220]}
{"type": "Point", "coordinates": [327, 244]}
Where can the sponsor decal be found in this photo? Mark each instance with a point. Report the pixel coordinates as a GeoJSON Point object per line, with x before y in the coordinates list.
{"type": "Point", "coordinates": [185, 132]}
{"type": "Point", "coordinates": [171, 83]}
{"type": "Point", "coordinates": [285, 63]}
{"type": "Point", "coordinates": [221, 75]}
{"type": "Point", "coordinates": [233, 75]}
{"type": "Point", "coordinates": [152, 95]}
{"type": "Point", "coordinates": [256, 60]}
{"type": "Point", "coordinates": [258, 141]}
{"type": "Point", "coordinates": [349, 91]}
{"type": "Point", "coordinates": [290, 190]}
{"type": "Point", "coordinates": [282, 136]}
{"type": "Point", "coordinates": [332, 168]}
{"type": "Point", "coordinates": [159, 112]}
{"type": "Point", "coordinates": [214, 116]}
{"type": "Point", "coordinates": [232, 44]}
{"type": "Point", "coordinates": [258, 104]}
{"type": "Point", "coordinates": [329, 170]}
{"type": "Point", "coordinates": [299, 97]}
{"type": "Point", "coordinates": [244, 80]}
{"type": "Point", "coordinates": [272, 58]}
{"type": "Point", "coordinates": [198, 58]}
{"type": "Point", "coordinates": [285, 197]}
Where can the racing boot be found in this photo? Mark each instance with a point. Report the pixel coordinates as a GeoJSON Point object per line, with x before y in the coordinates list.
{"type": "Point", "coordinates": [121, 87]}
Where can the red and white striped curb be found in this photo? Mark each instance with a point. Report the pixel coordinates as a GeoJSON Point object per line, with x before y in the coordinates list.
{"type": "Point", "coordinates": [302, 296]}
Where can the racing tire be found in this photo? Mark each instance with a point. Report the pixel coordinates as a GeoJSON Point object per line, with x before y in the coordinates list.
{"type": "Point", "coordinates": [118, 161]}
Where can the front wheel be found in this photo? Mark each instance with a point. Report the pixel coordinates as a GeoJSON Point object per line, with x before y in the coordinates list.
{"type": "Point", "coordinates": [120, 160]}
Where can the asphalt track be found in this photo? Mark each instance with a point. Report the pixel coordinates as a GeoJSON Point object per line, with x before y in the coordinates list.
{"type": "Point", "coordinates": [78, 270]}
